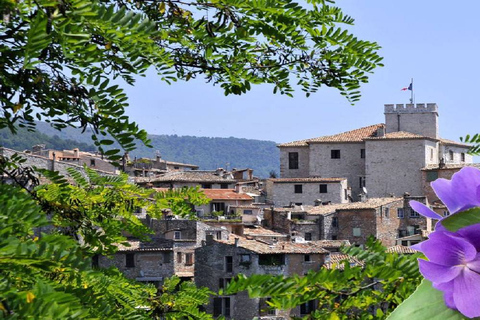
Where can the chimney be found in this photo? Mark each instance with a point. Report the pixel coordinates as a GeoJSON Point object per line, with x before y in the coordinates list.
{"type": "Point", "coordinates": [317, 202]}
{"type": "Point", "coordinates": [237, 240]}
{"type": "Point", "coordinates": [75, 152]}
{"type": "Point", "coordinates": [209, 240]}
{"type": "Point", "coordinates": [381, 132]}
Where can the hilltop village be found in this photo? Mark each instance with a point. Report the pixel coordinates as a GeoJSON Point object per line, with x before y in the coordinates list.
{"type": "Point", "coordinates": [333, 191]}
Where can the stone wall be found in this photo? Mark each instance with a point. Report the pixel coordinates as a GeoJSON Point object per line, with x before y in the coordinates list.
{"type": "Point", "coordinates": [284, 193]}
{"type": "Point", "coordinates": [420, 118]}
{"type": "Point", "coordinates": [350, 165]}
{"type": "Point", "coordinates": [393, 166]}
{"type": "Point", "coordinates": [303, 162]}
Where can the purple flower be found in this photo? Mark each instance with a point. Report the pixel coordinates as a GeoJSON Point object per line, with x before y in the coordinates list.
{"type": "Point", "coordinates": [454, 267]}
{"type": "Point", "coordinates": [459, 194]}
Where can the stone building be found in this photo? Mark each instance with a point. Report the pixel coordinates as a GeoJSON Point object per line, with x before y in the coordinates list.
{"type": "Point", "coordinates": [386, 159]}
{"type": "Point", "coordinates": [227, 203]}
{"type": "Point", "coordinates": [387, 219]}
{"type": "Point", "coordinates": [306, 191]}
{"type": "Point", "coordinates": [171, 251]}
{"type": "Point", "coordinates": [222, 260]}
{"type": "Point", "coordinates": [213, 179]}
{"type": "Point", "coordinates": [92, 160]}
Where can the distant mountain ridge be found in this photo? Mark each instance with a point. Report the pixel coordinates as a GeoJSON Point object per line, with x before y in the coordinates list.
{"type": "Point", "coordinates": [208, 153]}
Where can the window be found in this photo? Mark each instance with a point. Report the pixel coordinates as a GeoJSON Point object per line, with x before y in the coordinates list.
{"type": "Point", "coordinates": [298, 188]}
{"type": "Point", "coordinates": [410, 230]}
{"type": "Point", "coordinates": [189, 259]}
{"type": "Point", "coordinates": [335, 154]}
{"type": "Point", "coordinates": [462, 157]}
{"type": "Point", "coordinates": [450, 155]}
{"type": "Point", "coordinates": [307, 307]}
{"type": "Point", "coordinates": [218, 235]}
{"type": "Point", "coordinates": [334, 237]}
{"type": "Point", "coordinates": [357, 232]}
{"type": "Point", "coordinates": [308, 236]}
{"type": "Point", "coordinates": [446, 213]}
{"type": "Point", "coordinates": [130, 260]}
{"type": "Point", "coordinates": [218, 206]}
{"type": "Point", "coordinates": [223, 282]}
{"type": "Point", "coordinates": [431, 153]}
{"type": "Point", "coordinates": [386, 212]}
{"type": "Point", "coordinates": [92, 162]}
{"type": "Point", "coordinates": [167, 257]}
{"type": "Point", "coordinates": [400, 213]}
{"type": "Point", "coordinates": [223, 185]}
{"type": "Point", "coordinates": [206, 185]}
{"type": "Point", "coordinates": [271, 259]}
{"type": "Point", "coordinates": [307, 258]}
{"type": "Point", "coordinates": [361, 182]}
{"type": "Point", "coordinates": [245, 258]}
{"type": "Point", "coordinates": [177, 235]}
{"type": "Point", "coordinates": [293, 160]}
{"type": "Point", "coordinates": [249, 212]}
{"type": "Point", "coordinates": [179, 257]}
{"type": "Point", "coordinates": [95, 262]}
{"type": "Point", "coordinates": [432, 176]}
{"type": "Point", "coordinates": [229, 264]}
{"type": "Point", "coordinates": [323, 188]}
{"type": "Point", "coordinates": [362, 153]}
{"type": "Point", "coordinates": [413, 214]}
{"type": "Point", "coordinates": [176, 168]}
{"type": "Point", "coordinates": [345, 192]}
{"type": "Point", "coordinates": [402, 233]}
{"type": "Point", "coordinates": [221, 307]}
{"type": "Point", "coordinates": [335, 222]}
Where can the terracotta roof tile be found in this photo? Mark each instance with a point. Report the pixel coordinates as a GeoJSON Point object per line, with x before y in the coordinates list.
{"type": "Point", "coordinates": [455, 143]}
{"type": "Point", "coordinates": [226, 194]}
{"type": "Point", "coordinates": [260, 231]}
{"type": "Point", "coordinates": [401, 249]}
{"type": "Point", "coordinates": [306, 180]}
{"type": "Point", "coordinates": [192, 176]}
{"type": "Point", "coordinates": [332, 243]}
{"type": "Point", "coordinates": [262, 247]}
{"type": "Point", "coordinates": [371, 203]}
{"type": "Point", "coordinates": [336, 261]}
{"type": "Point", "coordinates": [154, 245]}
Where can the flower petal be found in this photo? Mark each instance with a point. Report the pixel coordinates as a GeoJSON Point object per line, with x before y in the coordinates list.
{"type": "Point", "coordinates": [466, 293]}
{"type": "Point", "coordinates": [446, 249]}
{"type": "Point", "coordinates": [471, 234]}
{"type": "Point", "coordinates": [475, 264]}
{"type": "Point", "coordinates": [447, 289]}
{"type": "Point", "coordinates": [460, 193]}
{"type": "Point", "coordinates": [438, 273]}
{"type": "Point", "coordinates": [424, 210]}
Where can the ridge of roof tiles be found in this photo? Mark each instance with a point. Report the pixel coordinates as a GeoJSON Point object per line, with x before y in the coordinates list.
{"type": "Point", "coordinates": [225, 194]}
{"type": "Point", "coordinates": [313, 179]}
{"type": "Point", "coordinates": [356, 135]}
{"type": "Point", "coordinates": [262, 247]}
{"type": "Point", "coordinates": [369, 204]}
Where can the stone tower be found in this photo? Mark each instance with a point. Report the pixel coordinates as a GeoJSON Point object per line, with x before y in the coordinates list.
{"type": "Point", "coordinates": [420, 118]}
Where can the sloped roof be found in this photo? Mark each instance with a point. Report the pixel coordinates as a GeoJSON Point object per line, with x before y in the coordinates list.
{"type": "Point", "coordinates": [306, 180]}
{"type": "Point", "coordinates": [399, 135]}
{"type": "Point", "coordinates": [157, 244]}
{"type": "Point", "coordinates": [260, 231]}
{"type": "Point", "coordinates": [226, 194]}
{"type": "Point", "coordinates": [332, 243]}
{"type": "Point", "coordinates": [173, 163]}
{"type": "Point", "coordinates": [450, 166]}
{"type": "Point", "coordinates": [262, 247]}
{"type": "Point", "coordinates": [194, 176]}
{"type": "Point", "coordinates": [357, 135]}
{"type": "Point", "coordinates": [371, 203]}
{"type": "Point", "coordinates": [401, 249]}
{"type": "Point", "coordinates": [336, 261]}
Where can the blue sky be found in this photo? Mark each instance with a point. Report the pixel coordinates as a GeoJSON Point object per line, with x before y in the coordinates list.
{"type": "Point", "coordinates": [436, 43]}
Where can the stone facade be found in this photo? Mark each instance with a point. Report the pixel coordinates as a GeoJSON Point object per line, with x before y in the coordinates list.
{"type": "Point", "coordinates": [387, 158]}
{"type": "Point", "coordinates": [225, 259]}
{"type": "Point", "coordinates": [306, 191]}
{"type": "Point", "coordinates": [420, 119]}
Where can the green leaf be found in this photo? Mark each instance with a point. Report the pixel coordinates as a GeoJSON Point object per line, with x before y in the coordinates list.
{"type": "Point", "coordinates": [425, 303]}
{"type": "Point", "coordinates": [462, 219]}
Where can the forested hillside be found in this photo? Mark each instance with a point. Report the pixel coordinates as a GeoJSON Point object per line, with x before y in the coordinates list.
{"type": "Point", "coordinates": [208, 153]}
{"type": "Point", "coordinates": [25, 140]}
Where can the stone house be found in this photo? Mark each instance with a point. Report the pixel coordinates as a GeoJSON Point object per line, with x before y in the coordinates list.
{"type": "Point", "coordinates": [146, 167]}
{"type": "Point", "coordinates": [223, 260]}
{"type": "Point", "coordinates": [171, 251]}
{"type": "Point", "coordinates": [385, 218]}
{"type": "Point", "coordinates": [229, 203]}
{"type": "Point", "coordinates": [283, 192]}
{"type": "Point", "coordinates": [386, 159]}
{"type": "Point", "coordinates": [214, 179]}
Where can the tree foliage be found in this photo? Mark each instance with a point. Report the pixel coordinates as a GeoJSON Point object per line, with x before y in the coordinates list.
{"type": "Point", "coordinates": [59, 57]}
{"type": "Point", "coordinates": [370, 290]}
